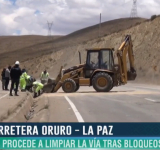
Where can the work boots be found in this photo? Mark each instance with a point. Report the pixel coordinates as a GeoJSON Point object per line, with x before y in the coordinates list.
{"type": "Point", "coordinates": [10, 94]}
{"type": "Point", "coordinates": [35, 95]}
{"type": "Point", "coordinates": [16, 94]}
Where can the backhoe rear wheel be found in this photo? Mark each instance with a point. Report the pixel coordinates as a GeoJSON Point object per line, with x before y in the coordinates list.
{"type": "Point", "coordinates": [69, 86]}
{"type": "Point", "coordinates": [102, 82]}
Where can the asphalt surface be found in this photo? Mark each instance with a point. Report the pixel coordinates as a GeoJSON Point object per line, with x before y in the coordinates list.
{"type": "Point", "coordinates": [128, 103]}
{"type": "Point", "coordinates": [3, 93]}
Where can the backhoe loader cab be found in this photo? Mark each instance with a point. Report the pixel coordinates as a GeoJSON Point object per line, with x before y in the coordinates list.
{"type": "Point", "coordinates": [99, 70]}
{"type": "Point", "coordinates": [98, 59]}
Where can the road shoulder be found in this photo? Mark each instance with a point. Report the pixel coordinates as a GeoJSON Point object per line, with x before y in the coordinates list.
{"type": "Point", "coordinates": [60, 110]}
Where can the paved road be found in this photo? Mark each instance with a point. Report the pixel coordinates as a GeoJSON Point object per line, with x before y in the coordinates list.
{"type": "Point", "coordinates": [3, 94]}
{"type": "Point", "coordinates": [129, 103]}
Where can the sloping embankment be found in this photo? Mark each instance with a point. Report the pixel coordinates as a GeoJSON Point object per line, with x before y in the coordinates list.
{"type": "Point", "coordinates": [27, 110]}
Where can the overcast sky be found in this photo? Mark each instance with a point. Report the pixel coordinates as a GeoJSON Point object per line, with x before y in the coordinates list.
{"type": "Point", "coordinates": [23, 17]}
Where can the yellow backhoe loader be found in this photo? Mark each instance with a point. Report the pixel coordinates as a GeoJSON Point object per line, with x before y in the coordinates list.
{"type": "Point", "coordinates": [99, 71]}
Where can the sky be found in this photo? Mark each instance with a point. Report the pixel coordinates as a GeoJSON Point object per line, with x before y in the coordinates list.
{"type": "Point", "coordinates": [30, 17]}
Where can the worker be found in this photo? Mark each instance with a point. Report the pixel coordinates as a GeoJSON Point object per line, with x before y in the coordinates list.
{"type": "Point", "coordinates": [23, 80]}
{"type": "Point", "coordinates": [29, 81]}
{"type": "Point", "coordinates": [37, 87]}
{"type": "Point", "coordinates": [15, 74]}
{"type": "Point", "coordinates": [7, 77]}
{"type": "Point", "coordinates": [44, 76]}
{"type": "Point", "coordinates": [3, 78]}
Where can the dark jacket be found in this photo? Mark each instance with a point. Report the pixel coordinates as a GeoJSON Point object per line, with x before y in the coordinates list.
{"type": "Point", "coordinates": [15, 73]}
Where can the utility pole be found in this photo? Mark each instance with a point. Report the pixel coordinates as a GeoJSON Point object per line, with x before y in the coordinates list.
{"type": "Point", "coordinates": [50, 24]}
{"type": "Point", "coordinates": [49, 28]}
{"type": "Point", "coordinates": [134, 9]}
{"type": "Point", "coordinates": [100, 26]}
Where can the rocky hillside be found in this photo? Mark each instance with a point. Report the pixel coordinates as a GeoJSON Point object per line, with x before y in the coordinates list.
{"type": "Point", "coordinates": [25, 48]}
{"type": "Point", "coordinates": [145, 38]}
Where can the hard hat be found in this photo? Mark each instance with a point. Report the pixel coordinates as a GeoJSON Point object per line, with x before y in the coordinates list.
{"type": "Point", "coordinates": [17, 63]}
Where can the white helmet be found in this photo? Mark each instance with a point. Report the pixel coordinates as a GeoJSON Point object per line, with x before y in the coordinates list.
{"type": "Point", "coordinates": [17, 63]}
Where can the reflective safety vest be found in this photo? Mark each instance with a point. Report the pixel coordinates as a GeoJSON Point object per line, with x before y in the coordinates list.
{"type": "Point", "coordinates": [44, 76]}
{"type": "Point", "coordinates": [28, 80]}
{"type": "Point", "coordinates": [37, 84]}
{"type": "Point", "coordinates": [24, 76]}
{"type": "Point", "coordinates": [28, 77]}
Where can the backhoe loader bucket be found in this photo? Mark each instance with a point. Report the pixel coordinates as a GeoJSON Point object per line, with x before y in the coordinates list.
{"type": "Point", "coordinates": [49, 86]}
{"type": "Point", "coordinates": [131, 75]}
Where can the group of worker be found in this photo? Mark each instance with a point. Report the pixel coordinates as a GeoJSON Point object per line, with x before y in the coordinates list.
{"type": "Point", "coordinates": [20, 78]}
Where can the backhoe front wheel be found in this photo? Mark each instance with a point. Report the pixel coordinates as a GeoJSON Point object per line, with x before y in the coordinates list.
{"type": "Point", "coordinates": [69, 86]}
{"type": "Point", "coordinates": [102, 82]}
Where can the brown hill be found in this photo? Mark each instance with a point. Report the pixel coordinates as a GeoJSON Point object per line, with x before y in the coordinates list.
{"type": "Point", "coordinates": [25, 48]}
{"type": "Point", "coordinates": [12, 43]}
{"type": "Point", "coordinates": [146, 46]}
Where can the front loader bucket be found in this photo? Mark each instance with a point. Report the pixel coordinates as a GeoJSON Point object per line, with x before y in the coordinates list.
{"type": "Point", "coordinates": [131, 75]}
{"type": "Point", "coordinates": [49, 87]}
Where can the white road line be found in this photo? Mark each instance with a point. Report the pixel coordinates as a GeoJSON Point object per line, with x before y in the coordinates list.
{"type": "Point", "coordinates": [78, 115]}
{"type": "Point", "coordinates": [3, 96]}
{"type": "Point", "coordinates": [148, 99]}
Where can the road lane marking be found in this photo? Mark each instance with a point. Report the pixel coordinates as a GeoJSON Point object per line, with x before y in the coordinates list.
{"type": "Point", "coordinates": [148, 99]}
{"type": "Point", "coordinates": [78, 115]}
{"type": "Point", "coordinates": [3, 96]}
{"type": "Point", "coordinates": [76, 112]}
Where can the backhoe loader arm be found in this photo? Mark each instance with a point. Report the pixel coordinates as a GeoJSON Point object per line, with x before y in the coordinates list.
{"type": "Point", "coordinates": [126, 47]}
{"type": "Point", "coordinates": [57, 84]}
